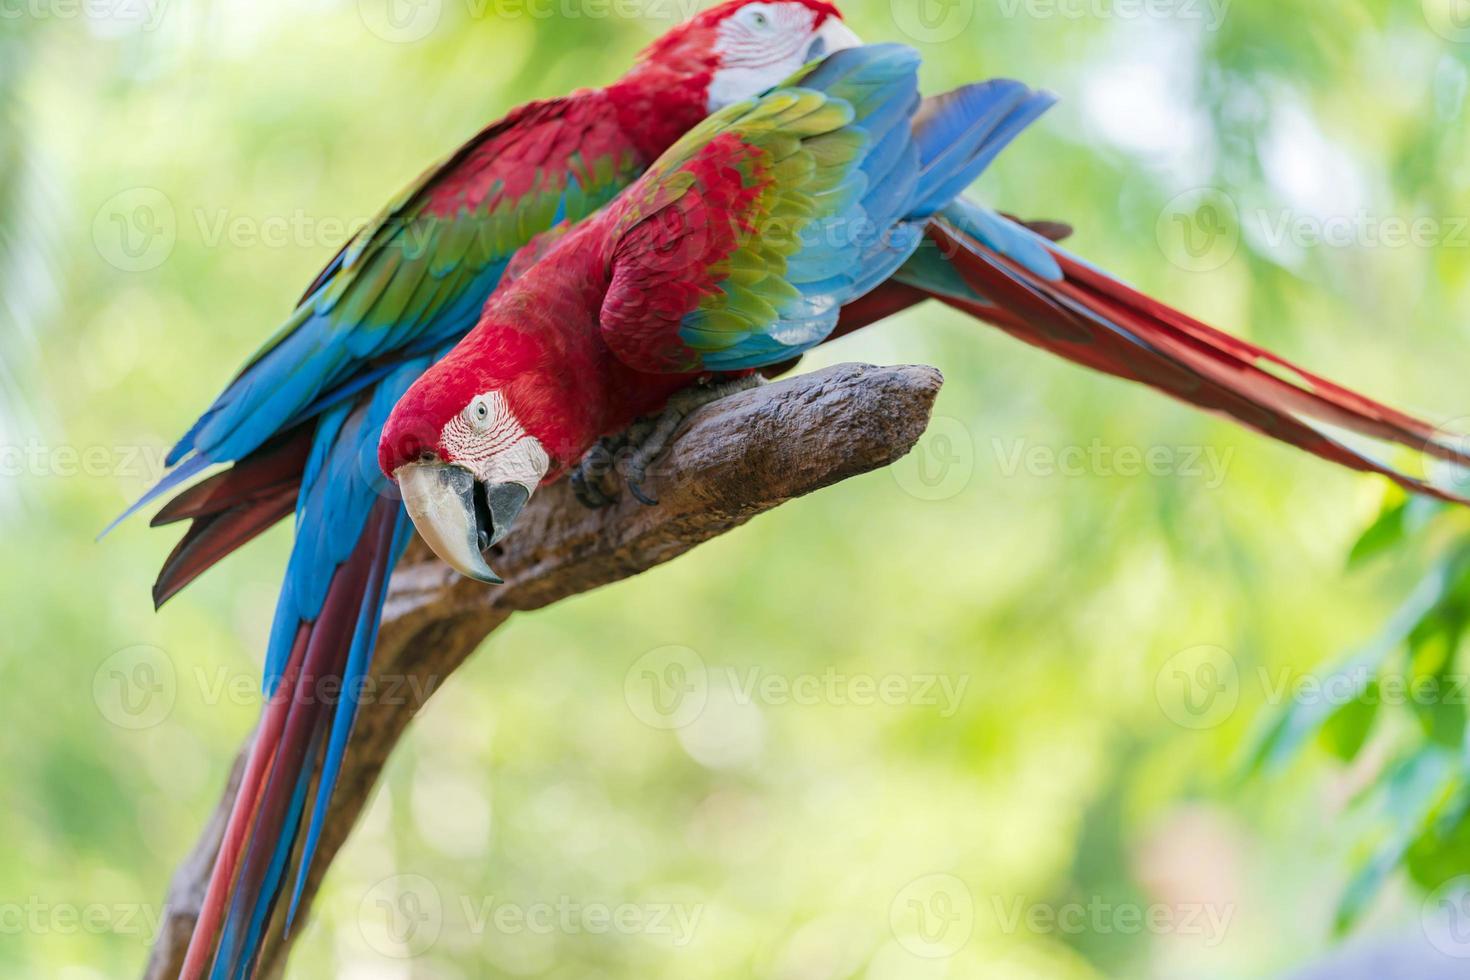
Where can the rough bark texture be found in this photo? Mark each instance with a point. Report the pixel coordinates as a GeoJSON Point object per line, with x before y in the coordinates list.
{"type": "Point", "coordinates": [731, 461]}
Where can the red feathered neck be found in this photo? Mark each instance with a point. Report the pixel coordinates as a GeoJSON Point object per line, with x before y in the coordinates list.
{"type": "Point", "coordinates": [667, 91]}
{"type": "Point", "coordinates": [701, 29]}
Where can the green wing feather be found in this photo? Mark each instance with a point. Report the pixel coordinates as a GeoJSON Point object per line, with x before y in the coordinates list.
{"type": "Point", "coordinates": [717, 221]}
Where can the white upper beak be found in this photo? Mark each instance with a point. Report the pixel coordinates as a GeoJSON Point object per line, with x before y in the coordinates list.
{"type": "Point", "coordinates": [837, 35]}
{"type": "Point", "coordinates": [440, 499]}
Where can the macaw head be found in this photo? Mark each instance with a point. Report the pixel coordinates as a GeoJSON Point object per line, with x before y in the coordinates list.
{"type": "Point", "coordinates": [472, 439]}
{"type": "Point", "coordinates": [744, 47]}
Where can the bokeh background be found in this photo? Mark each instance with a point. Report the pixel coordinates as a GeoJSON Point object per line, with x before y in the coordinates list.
{"type": "Point", "coordinates": [1076, 654]}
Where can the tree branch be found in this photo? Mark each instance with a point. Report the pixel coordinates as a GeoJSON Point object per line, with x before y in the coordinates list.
{"type": "Point", "coordinates": [732, 460]}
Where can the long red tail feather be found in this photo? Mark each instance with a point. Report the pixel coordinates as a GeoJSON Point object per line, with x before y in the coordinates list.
{"type": "Point", "coordinates": [230, 509]}
{"type": "Point", "coordinates": [1092, 319]}
{"type": "Point", "coordinates": [237, 829]}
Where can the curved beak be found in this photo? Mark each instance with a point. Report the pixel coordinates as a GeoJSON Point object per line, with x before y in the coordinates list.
{"type": "Point", "coordinates": [459, 517]}
{"type": "Point", "coordinates": [833, 35]}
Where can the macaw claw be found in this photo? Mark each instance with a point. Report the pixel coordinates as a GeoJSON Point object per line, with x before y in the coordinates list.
{"type": "Point", "coordinates": [624, 460]}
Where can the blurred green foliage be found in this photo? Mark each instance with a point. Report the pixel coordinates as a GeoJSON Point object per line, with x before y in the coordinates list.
{"type": "Point", "coordinates": [1401, 698]}
{"type": "Point", "coordinates": [1115, 632]}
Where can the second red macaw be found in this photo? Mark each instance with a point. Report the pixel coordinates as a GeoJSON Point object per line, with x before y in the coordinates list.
{"type": "Point", "coordinates": [739, 250]}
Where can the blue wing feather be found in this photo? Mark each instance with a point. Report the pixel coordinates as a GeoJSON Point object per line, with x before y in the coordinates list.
{"type": "Point", "coordinates": [917, 158]}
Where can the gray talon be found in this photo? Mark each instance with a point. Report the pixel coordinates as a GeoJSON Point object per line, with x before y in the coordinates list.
{"type": "Point", "coordinates": [595, 480]}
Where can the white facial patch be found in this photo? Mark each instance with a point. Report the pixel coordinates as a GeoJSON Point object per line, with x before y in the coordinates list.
{"type": "Point", "coordinates": [760, 46]}
{"type": "Point", "coordinates": [488, 439]}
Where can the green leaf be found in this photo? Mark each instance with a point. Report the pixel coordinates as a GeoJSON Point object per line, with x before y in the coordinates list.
{"type": "Point", "coordinates": [1443, 850]}
{"type": "Point", "coordinates": [1345, 733]}
{"type": "Point", "coordinates": [1305, 715]}
{"type": "Point", "coordinates": [1410, 798]}
{"type": "Point", "coordinates": [1435, 694]}
{"type": "Point", "coordinates": [1385, 533]}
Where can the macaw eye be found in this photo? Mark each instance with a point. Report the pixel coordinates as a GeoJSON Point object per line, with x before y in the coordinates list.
{"type": "Point", "coordinates": [482, 411]}
{"type": "Point", "coordinates": [757, 19]}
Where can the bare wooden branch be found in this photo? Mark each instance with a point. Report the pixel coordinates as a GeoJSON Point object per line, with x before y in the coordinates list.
{"type": "Point", "coordinates": [732, 460]}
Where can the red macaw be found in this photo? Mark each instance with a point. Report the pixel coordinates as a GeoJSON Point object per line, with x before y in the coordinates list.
{"type": "Point", "coordinates": [302, 420]}
{"type": "Point", "coordinates": [735, 251]}
{"type": "Point", "coordinates": [739, 249]}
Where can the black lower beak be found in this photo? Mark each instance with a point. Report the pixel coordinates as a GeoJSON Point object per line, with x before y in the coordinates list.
{"type": "Point", "coordinates": [496, 509]}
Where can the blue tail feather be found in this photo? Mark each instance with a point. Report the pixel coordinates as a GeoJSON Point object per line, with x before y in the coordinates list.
{"type": "Point", "coordinates": [235, 958]}
{"type": "Point", "coordinates": [359, 660]}
{"type": "Point", "coordinates": [961, 132]}
{"type": "Point", "coordinates": [181, 474]}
